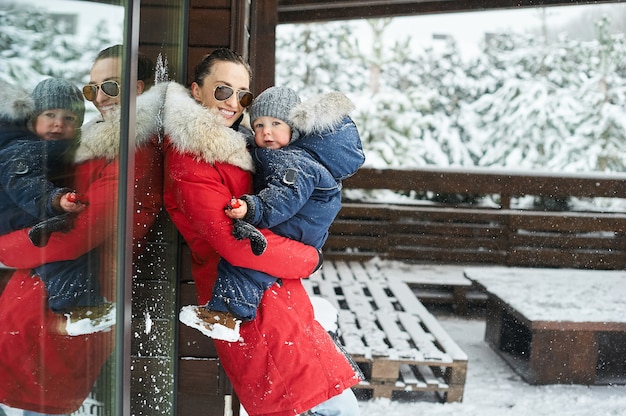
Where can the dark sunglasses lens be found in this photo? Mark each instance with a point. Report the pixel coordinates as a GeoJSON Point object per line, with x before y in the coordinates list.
{"type": "Point", "coordinates": [110, 88]}
{"type": "Point", "coordinates": [222, 92]}
{"type": "Point", "coordinates": [90, 91]}
{"type": "Point", "coordinates": [245, 98]}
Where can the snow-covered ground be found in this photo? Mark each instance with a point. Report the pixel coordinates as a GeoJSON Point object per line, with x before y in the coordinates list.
{"type": "Point", "coordinates": [494, 389]}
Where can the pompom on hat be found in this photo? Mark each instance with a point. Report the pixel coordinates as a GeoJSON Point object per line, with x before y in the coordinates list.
{"type": "Point", "coordinates": [276, 102]}
{"type": "Point", "coordinates": [55, 93]}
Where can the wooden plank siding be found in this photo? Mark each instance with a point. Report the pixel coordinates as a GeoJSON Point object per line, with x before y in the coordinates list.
{"type": "Point", "coordinates": [263, 44]}
{"type": "Point", "coordinates": [213, 24]}
{"type": "Point", "coordinates": [463, 233]}
{"type": "Point", "coordinates": [159, 32]}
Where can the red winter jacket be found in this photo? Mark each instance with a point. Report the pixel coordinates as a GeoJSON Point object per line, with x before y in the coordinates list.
{"type": "Point", "coordinates": [42, 371]}
{"type": "Point", "coordinates": [287, 363]}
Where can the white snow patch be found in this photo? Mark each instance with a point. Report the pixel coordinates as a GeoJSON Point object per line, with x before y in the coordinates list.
{"type": "Point", "coordinates": [189, 317]}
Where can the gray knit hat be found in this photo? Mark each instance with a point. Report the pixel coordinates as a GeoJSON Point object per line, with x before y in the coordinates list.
{"type": "Point", "coordinates": [54, 93]}
{"type": "Point", "coordinates": [276, 102]}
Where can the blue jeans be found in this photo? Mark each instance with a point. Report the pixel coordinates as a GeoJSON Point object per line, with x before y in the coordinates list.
{"type": "Point", "coordinates": [344, 404]}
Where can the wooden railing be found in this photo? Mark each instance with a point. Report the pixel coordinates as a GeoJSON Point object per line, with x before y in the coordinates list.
{"type": "Point", "coordinates": [466, 233]}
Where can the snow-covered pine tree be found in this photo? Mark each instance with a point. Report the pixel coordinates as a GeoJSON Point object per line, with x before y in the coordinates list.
{"type": "Point", "coordinates": [560, 109]}
{"type": "Point", "coordinates": [24, 37]}
{"type": "Point", "coordinates": [317, 58]}
{"type": "Point", "coordinates": [33, 47]}
{"type": "Point", "coordinates": [525, 102]}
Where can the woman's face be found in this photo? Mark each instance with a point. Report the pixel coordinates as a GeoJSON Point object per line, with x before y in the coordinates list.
{"type": "Point", "coordinates": [224, 73]}
{"type": "Point", "coordinates": [107, 69]}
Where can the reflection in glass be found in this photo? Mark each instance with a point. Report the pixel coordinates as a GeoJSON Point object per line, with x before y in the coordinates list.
{"type": "Point", "coordinates": [57, 373]}
{"type": "Point", "coordinates": [62, 285]}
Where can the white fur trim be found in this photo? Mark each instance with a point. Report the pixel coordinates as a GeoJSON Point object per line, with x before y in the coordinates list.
{"type": "Point", "coordinates": [16, 104]}
{"type": "Point", "coordinates": [197, 130]}
{"type": "Point", "coordinates": [321, 112]}
{"type": "Point", "coordinates": [100, 138]}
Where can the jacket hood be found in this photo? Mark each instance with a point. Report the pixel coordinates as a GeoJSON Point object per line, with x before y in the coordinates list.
{"type": "Point", "coordinates": [16, 104]}
{"type": "Point", "coordinates": [100, 138]}
{"type": "Point", "coordinates": [328, 133]}
{"type": "Point", "coordinates": [192, 128]}
{"type": "Point", "coordinates": [320, 112]}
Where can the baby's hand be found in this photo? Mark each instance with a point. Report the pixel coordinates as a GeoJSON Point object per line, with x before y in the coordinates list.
{"type": "Point", "coordinates": [72, 202]}
{"type": "Point", "coordinates": [236, 209]}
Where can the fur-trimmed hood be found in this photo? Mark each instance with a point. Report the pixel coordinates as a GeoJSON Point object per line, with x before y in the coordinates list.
{"type": "Point", "coordinates": [320, 112]}
{"type": "Point", "coordinates": [100, 138]}
{"type": "Point", "coordinates": [328, 133]}
{"type": "Point", "coordinates": [16, 104]}
{"type": "Point", "coordinates": [192, 128]}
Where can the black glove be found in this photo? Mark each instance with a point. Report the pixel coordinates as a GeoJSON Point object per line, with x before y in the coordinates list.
{"type": "Point", "coordinates": [242, 230]}
{"type": "Point", "coordinates": [40, 233]}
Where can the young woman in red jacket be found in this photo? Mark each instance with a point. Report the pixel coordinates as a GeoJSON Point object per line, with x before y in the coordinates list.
{"type": "Point", "coordinates": [44, 370]}
{"type": "Point", "coordinates": [285, 362]}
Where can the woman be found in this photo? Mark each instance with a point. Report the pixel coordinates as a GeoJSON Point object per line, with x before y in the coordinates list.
{"type": "Point", "coordinates": [50, 372]}
{"type": "Point", "coordinates": [286, 363]}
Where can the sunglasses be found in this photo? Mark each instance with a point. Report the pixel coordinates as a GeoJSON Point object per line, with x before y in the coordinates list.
{"type": "Point", "coordinates": [224, 92]}
{"type": "Point", "coordinates": [109, 88]}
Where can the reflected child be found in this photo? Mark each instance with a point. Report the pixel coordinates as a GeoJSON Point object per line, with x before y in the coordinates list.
{"type": "Point", "coordinates": [38, 133]}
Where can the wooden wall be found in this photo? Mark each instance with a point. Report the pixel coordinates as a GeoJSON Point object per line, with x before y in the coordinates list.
{"type": "Point", "coordinates": [160, 31]}
{"type": "Point", "coordinates": [214, 24]}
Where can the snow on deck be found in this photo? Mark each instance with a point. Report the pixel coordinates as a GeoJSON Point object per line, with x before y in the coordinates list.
{"type": "Point", "coordinates": [566, 295]}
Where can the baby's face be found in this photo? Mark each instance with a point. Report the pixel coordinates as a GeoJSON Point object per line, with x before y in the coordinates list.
{"type": "Point", "coordinates": [271, 133]}
{"type": "Point", "coordinates": [56, 124]}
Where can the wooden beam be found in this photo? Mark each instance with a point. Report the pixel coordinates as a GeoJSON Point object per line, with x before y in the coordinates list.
{"type": "Point", "coordinates": [304, 11]}
{"type": "Point", "coordinates": [263, 44]}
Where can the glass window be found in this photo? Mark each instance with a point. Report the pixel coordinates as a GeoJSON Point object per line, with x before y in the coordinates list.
{"type": "Point", "coordinates": [84, 243]}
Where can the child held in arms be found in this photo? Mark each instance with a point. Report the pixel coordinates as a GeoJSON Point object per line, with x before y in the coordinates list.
{"type": "Point", "coordinates": [37, 137]}
{"type": "Point", "coordinates": [302, 152]}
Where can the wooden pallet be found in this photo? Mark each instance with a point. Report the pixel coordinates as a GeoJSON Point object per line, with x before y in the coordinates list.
{"type": "Point", "coordinates": [557, 326]}
{"type": "Point", "coordinates": [399, 345]}
{"type": "Point", "coordinates": [440, 285]}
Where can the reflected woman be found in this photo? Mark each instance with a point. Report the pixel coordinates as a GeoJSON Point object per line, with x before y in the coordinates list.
{"type": "Point", "coordinates": [52, 373]}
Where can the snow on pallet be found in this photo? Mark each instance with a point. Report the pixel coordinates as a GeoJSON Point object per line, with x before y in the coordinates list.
{"type": "Point", "coordinates": [398, 344]}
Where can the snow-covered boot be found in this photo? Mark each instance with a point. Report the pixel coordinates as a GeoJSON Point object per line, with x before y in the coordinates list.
{"type": "Point", "coordinates": [214, 324]}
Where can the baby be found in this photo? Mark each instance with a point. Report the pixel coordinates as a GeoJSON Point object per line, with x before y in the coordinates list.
{"type": "Point", "coordinates": [38, 133]}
